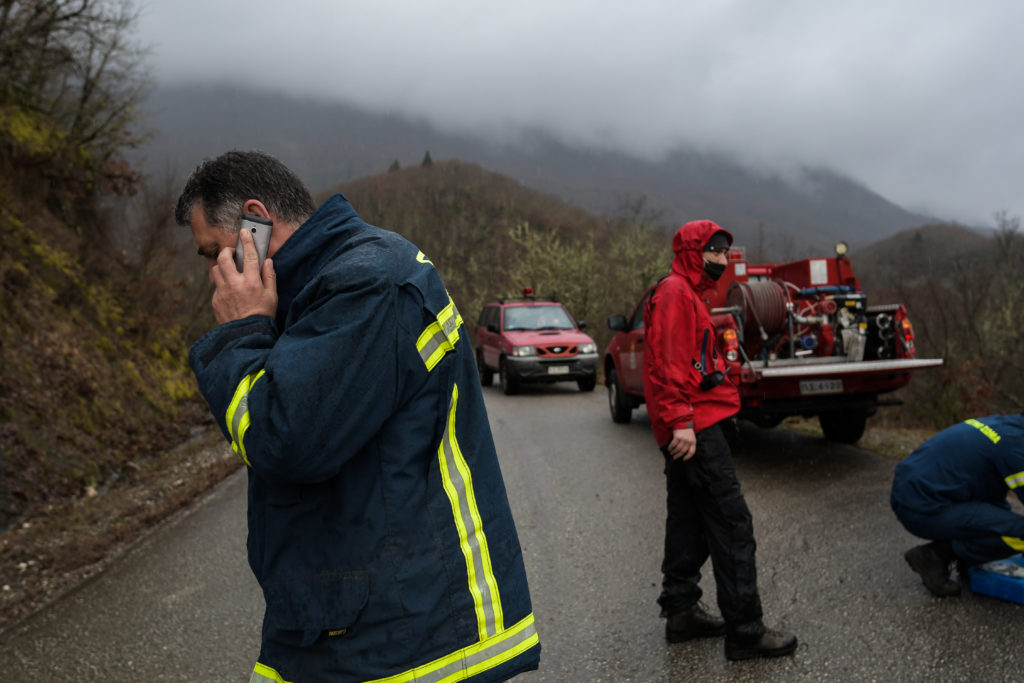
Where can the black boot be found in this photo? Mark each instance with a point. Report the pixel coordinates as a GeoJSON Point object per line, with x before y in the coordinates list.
{"type": "Point", "coordinates": [770, 644]}
{"type": "Point", "coordinates": [931, 561]}
{"type": "Point", "coordinates": [963, 572]}
{"type": "Point", "coordinates": [693, 622]}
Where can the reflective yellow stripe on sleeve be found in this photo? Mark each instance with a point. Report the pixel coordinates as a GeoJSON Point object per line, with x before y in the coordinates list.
{"type": "Point", "coordinates": [1015, 543]}
{"type": "Point", "coordinates": [237, 417]}
{"type": "Point", "coordinates": [458, 484]}
{"type": "Point", "coordinates": [1015, 480]}
{"type": "Point", "coordinates": [441, 336]}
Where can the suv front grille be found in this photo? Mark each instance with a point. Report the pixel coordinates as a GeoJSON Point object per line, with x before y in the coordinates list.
{"type": "Point", "coordinates": [557, 351]}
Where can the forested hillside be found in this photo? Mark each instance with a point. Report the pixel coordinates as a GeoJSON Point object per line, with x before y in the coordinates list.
{"type": "Point", "coordinates": [964, 292]}
{"type": "Point", "coordinates": [93, 376]}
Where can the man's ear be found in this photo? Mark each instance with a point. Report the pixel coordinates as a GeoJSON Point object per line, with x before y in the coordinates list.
{"type": "Point", "coordinates": [255, 207]}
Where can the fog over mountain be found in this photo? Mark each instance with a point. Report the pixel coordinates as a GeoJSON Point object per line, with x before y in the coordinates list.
{"type": "Point", "coordinates": [325, 143]}
{"type": "Point", "coordinates": [916, 101]}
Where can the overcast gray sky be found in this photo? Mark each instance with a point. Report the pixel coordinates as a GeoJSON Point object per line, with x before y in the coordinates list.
{"type": "Point", "coordinates": [919, 100]}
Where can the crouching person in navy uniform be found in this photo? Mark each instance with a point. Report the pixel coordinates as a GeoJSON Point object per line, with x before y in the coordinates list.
{"type": "Point", "coordinates": [341, 373]}
{"type": "Point", "coordinates": [952, 489]}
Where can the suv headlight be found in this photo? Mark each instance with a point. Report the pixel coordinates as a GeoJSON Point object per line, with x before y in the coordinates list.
{"type": "Point", "coordinates": [589, 347]}
{"type": "Point", "coordinates": [524, 351]}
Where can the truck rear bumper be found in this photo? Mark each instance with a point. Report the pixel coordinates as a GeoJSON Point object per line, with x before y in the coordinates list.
{"type": "Point", "coordinates": [802, 387]}
{"type": "Point", "coordinates": [827, 368]}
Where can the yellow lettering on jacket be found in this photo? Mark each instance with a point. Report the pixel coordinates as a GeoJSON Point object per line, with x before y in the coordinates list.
{"type": "Point", "coordinates": [985, 429]}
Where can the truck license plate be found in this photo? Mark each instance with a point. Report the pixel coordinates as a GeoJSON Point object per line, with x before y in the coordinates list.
{"type": "Point", "coordinates": [558, 369]}
{"type": "Point", "coordinates": [821, 386]}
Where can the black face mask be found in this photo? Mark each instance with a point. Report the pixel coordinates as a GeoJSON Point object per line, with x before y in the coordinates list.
{"type": "Point", "coordinates": [714, 270]}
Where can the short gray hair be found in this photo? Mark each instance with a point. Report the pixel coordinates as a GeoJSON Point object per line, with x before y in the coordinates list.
{"type": "Point", "coordinates": [221, 186]}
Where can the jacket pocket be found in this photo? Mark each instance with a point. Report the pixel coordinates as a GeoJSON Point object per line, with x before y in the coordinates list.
{"type": "Point", "coordinates": [308, 607]}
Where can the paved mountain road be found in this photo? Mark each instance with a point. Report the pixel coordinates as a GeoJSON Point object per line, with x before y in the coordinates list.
{"type": "Point", "coordinates": [588, 496]}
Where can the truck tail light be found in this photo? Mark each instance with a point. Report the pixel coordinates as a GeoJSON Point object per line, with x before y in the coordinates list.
{"type": "Point", "coordinates": [906, 333]}
{"type": "Point", "coordinates": [730, 345]}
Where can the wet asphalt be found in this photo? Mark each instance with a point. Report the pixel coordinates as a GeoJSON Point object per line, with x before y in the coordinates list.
{"type": "Point", "coordinates": [588, 496]}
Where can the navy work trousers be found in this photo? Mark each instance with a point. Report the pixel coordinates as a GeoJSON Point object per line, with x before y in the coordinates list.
{"type": "Point", "coordinates": [980, 532]}
{"type": "Point", "coordinates": [708, 517]}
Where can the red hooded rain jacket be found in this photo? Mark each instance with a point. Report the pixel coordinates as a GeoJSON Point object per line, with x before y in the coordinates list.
{"type": "Point", "coordinates": [676, 321]}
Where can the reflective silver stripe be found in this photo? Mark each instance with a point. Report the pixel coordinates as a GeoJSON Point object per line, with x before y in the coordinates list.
{"type": "Point", "coordinates": [237, 416]}
{"type": "Point", "coordinates": [458, 484]}
{"type": "Point", "coordinates": [441, 336]}
{"type": "Point", "coordinates": [242, 411]}
{"type": "Point", "coordinates": [474, 659]}
{"type": "Point", "coordinates": [1015, 480]}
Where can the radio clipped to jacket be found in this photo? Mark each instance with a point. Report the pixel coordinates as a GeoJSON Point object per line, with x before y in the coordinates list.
{"type": "Point", "coordinates": [708, 380]}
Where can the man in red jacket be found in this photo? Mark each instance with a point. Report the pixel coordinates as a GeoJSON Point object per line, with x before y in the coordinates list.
{"type": "Point", "coordinates": [691, 404]}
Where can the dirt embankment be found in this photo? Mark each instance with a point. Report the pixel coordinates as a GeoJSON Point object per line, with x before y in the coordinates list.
{"type": "Point", "coordinates": [44, 556]}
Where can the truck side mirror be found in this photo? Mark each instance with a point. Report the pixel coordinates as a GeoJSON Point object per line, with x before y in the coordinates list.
{"type": "Point", "coordinates": [617, 323]}
{"type": "Point", "coordinates": [491, 327]}
{"type": "Point", "coordinates": [582, 324]}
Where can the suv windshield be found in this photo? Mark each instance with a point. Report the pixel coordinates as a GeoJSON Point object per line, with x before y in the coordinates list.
{"type": "Point", "coordinates": [551, 317]}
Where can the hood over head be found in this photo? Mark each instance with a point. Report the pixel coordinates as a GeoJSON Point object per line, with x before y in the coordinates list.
{"type": "Point", "coordinates": [688, 245]}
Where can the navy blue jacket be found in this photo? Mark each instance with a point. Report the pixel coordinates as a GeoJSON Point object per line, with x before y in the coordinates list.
{"type": "Point", "coordinates": [379, 527]}
{"type": "Point", "coordinates": [978, 460]}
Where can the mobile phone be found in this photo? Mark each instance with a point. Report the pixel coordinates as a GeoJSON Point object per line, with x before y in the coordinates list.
{"type": "Point", "coordinates": [260, 228]}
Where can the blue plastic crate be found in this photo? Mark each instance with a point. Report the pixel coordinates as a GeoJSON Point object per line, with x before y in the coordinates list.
{"type": "Point", "coordinates": [999, 585]}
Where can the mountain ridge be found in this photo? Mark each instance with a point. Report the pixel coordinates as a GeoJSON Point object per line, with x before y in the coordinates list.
{"type": "Point", "coordinates": [331, 143]}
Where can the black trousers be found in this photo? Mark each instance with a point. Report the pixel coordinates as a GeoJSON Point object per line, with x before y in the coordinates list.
{"type": "Point", "coordinates": [708, 517]}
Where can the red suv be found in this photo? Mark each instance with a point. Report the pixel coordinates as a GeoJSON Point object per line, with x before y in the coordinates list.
{"type": "Point", "coordinates": [533, 340]}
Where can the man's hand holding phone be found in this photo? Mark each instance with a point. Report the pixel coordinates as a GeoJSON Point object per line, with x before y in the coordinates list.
{"type": "Point", "coordinates": [237, 294]}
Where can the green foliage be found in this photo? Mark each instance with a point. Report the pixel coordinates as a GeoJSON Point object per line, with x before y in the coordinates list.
{"type": "Point", "coordinates": [595, 275]}
{"type": "Point", "coordinates": [554, 268]}
{"type": "Point", "coordinates": [36, 136]}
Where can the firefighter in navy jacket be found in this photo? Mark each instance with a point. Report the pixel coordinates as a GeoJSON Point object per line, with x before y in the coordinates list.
{"type": "Point", "coordinates": [690, 400]}
{"type": "Point", "coordinates": [953, 488]}
{"type": "Point", "coordinates": [379, 528]}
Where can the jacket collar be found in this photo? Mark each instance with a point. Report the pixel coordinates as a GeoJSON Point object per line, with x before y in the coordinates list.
{"type": "Point", "coordinates": [316, 242]}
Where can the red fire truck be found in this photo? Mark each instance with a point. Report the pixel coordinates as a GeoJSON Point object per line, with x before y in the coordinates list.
{"type": "Point", "coordinates": [799, 338]}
